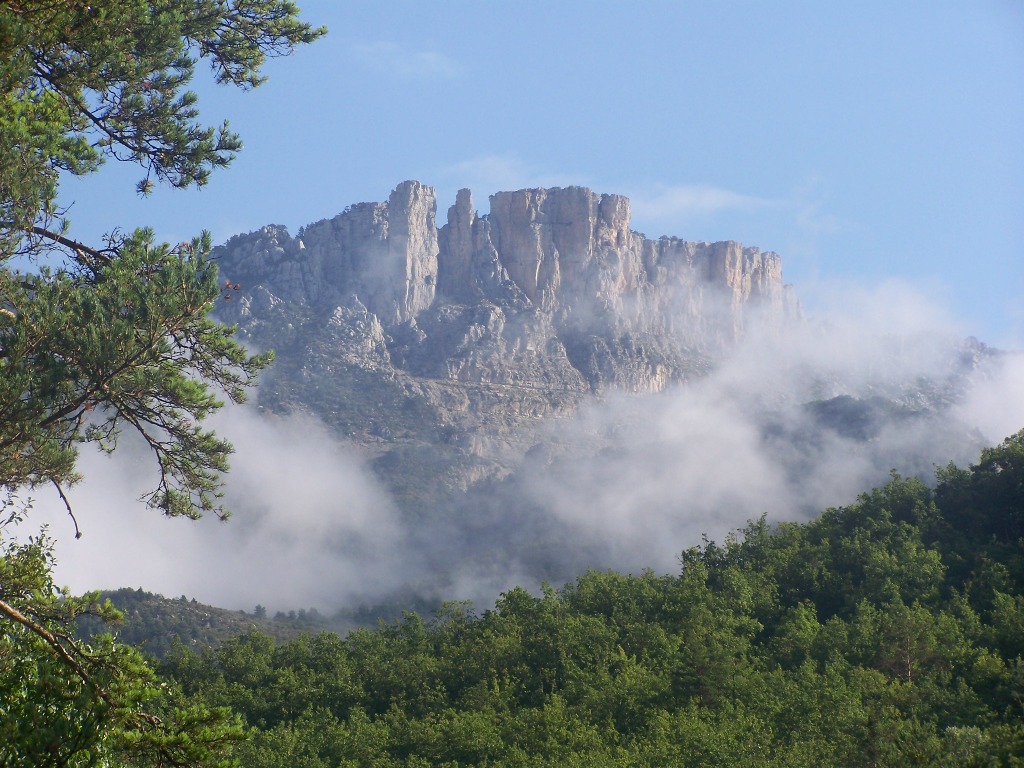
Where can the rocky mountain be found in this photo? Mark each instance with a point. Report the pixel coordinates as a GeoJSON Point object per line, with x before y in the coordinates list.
{"type": "Point", "coordinates": [541, 389]}
{"type": "Point", "coordinates": [463, 339]}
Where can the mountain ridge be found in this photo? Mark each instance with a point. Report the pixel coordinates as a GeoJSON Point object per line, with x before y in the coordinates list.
{"type": "Point", "coordinates": [491, 323]}
{"type": "Point", "coordinates": [540, 389]}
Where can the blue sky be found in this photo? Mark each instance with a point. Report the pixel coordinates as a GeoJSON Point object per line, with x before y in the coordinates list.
{"type": "Point", "coordinates": [864, 142]}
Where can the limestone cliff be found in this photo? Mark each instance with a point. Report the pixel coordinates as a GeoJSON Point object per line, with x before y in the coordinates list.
{"type": "Point", "coordinates": [469, 335]}
{"type": "Point", "coordinates": [504, 374]}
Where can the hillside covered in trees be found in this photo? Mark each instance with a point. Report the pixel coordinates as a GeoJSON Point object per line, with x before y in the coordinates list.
{"type": "Point", "coordinates": [886, 633]}
{"type": "Point", "coordinates": [154, 622]}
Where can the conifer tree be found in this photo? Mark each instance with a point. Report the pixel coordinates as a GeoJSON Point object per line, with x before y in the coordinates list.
{"type": "Point", "coordinates": [99, 337]}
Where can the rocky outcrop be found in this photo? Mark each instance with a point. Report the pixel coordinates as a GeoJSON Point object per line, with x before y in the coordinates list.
{"type": "Point", "coordinates": [566, 253]}
{"type": "Point", "coordinates": [499, 320]}
{"type": "Point", "coordinates": [571, 252]}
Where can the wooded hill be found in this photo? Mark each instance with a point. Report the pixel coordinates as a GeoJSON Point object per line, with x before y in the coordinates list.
{"type": "Point", "coordinates": [886, 633]}
{"type": "Point", "coordinates": [154, 622]}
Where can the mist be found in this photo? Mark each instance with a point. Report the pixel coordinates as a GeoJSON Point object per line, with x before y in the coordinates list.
{"type": "Point", "coordinates": [629, 483]}
{"type": "Point", "coordinates": [310, 525]}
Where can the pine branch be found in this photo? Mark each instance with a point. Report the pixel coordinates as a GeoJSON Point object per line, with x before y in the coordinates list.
{"type": "Point", "coordinates": [80, 249]}
{"type": "Point", "coordinates": [54, 642]}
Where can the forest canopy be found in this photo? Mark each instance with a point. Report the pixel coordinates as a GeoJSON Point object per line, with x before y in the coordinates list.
{"type": "Point", "coordinates": [886, 633]}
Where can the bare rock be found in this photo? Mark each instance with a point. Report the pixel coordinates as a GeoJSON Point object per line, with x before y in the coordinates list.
{"type": "Point", "coordinates": [493, 323]}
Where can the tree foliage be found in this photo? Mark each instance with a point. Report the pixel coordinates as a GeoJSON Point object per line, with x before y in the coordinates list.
{"type": "Point", "coordinates": [102, 336]}
{"type": "Point", "coordinates": [68, 702]}
{"type": "Point", "coordinates": [96, 337]}
{"type": "Point", "coordinates": [845, 641]}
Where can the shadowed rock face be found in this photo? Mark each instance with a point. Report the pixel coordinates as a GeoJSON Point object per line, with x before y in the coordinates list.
{"type": "Point", "coordinates": [469, 335]}
{"type": "Point", "coordinates": [383, 253]}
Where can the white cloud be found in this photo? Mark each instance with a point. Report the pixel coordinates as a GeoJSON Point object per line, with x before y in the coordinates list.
{"type": "Point", "coordinates": [995, 404]}
{"type": "Point", "coordinates": [801, 218]}
{"type": "Point", "coordinates": [686, 201]}
{"type": "Point", "coordinates": [489, 173]}
{"type": "Point", "coordinates": [392, 59]}
{"type": "Point", "coordinates": [629, 483]}
{"type": "Point", "coordinates": [811, 219]}
{"type": "Point", "coordinates": [311, 525]}
{"type": "Point", "coordinates": [707, 457]}
{"type": "Point", "coordinates": [809, 202]}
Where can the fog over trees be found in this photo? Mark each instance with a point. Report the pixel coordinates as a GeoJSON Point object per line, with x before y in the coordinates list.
{"type": "Point", "coordinates": [812, 626]}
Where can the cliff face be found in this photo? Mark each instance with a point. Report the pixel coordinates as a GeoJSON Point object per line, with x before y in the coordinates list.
{"type": "Point", "coordinates": [491, 323]}
{"type": "Point", "coordinates": [383, 253]}
{"type": "Point", "coordinates": [500, 374]}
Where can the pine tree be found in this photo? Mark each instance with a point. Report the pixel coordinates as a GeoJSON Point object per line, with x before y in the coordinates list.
{"type": "Point", "coordinates": [99, 337]}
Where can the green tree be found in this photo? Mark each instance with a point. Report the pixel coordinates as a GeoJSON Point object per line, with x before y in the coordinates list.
{"type": "Point", "coordinates": [65, 702]}
{"type": "Point", "coordinates": [986, 502]}
{"type": "Point", "coordinates": [97, 337]}
{"type": "Point", "coordinates": [727, 663]}
{"type": "Point", "coordinates": [117, 334]}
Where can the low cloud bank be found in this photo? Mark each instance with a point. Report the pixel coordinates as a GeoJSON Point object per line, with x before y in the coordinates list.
{"type": "Point", "coordinates": [786, 426]}
{"type": "Point", "coordinates": [311, 526]}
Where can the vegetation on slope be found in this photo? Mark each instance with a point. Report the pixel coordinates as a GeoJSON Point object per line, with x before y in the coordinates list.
{"type": "Point", "coordinates": [154, 622]}
{"type": "Point", "coordinates": [886, 633]}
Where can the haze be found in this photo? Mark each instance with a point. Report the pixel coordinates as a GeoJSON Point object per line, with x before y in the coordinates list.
{"type": "Point", "coordinates": [313, 528]}
{"type": "Point", "coordinates": [875, 147]}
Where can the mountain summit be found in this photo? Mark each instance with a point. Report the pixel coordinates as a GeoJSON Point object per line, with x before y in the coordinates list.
{"type": "Point", "coordinates": [565, 254]}
{"type": "Point", "coordinates": [542, 390]}
{"type": "Point", "coordinates": [468, 335]}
